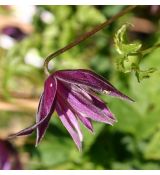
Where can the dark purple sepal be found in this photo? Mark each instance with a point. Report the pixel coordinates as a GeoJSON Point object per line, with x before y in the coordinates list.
{"type": "Point", "coordinates": [46, 106]}
{"type": "Point", "coordinates": [70, 123]}
{"type": "Point", "coordinates": [91, 80]}
{"type": "Point", "coordinates": [82, 104]}
{"type": "Point", "coordinates": [14, 32]}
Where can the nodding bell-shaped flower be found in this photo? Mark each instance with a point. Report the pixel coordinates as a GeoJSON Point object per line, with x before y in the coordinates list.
{"type": "Point", "coordinates": [9, 158]}
{"type": "Point", "coordinates": [72, 94]}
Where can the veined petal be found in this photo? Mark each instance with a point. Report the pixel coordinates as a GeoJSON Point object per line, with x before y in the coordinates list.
{"type": "Point", "coordinates": [86, 121]}
{"type": "Point", "coordinates": [90, 79]}
{"type": "Point", "coordinates": [94, 100]}
{"type": "Point", "coordinates": [81, 104]}
{"type": "Point", "coordinates": [101, 105]}
{"type": "Point", "coordinates": [46, 106]}
{"type": "Point", "coordinates": [70, 122]}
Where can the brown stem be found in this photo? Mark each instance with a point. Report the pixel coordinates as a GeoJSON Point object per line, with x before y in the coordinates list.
{"type": "Point", "coordinates": [85, 36]}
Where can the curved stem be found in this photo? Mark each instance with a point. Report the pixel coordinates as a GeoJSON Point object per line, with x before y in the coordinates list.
{"type": "Point", "coordinates": [84, 37]}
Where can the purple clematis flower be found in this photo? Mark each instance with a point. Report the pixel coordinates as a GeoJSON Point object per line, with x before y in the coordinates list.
{"type": "Point", "coordinates": [71, 93]}
{"type": "Point", "coordinates": [14, 32]}
{"type": "Point", "coordinates": [9, 159]}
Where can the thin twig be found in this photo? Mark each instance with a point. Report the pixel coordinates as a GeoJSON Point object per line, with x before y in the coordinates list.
{"type": "Point", "coordinates": [85, 36]}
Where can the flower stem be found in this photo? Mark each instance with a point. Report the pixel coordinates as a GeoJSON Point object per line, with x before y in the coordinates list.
{"type": "Point", "coordinates": [85, 36]}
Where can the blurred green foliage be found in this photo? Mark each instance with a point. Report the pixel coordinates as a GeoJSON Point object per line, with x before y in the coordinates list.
{"type": "Point", "coordinates": [134, 141]}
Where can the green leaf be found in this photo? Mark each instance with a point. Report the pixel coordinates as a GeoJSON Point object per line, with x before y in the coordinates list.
{"type": "Point", "coordinates": [122, 45]}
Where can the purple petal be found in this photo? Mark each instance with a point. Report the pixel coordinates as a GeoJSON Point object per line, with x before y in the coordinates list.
{"type": "Point", "coordinates": [41, 129]}
{"type": "Point", "coordinates": [9, 158]}
{"type": "Point", "coordinates": [94, 100]}
{"type": "Point", "coordinates": [6, 166]}
{"type": "Point", "coordinates": [90, 79]}
{"type": "Point", "coordinates": [46, 106]}
{"type": "Point", "coordinates": [82, 104]}
{"type": "Point", "coordinates": [101, 105]}
{"type": "Point", "coordinates": [45, 110]}
{"type": "Point", "coordinates": [26, 131]}
{"type": "Point", "coordinates": [70, 122]}
{"type": "Point", "coordinates": [30, 129]}
{"type": "Point", "coordinates": [86, 121]}
{"type": "Point", "coordinates": [47, 98]}
{"type": "Point", "coordinates": [14, 32]}
{"type": "Point", "coordinates": [4, 156]}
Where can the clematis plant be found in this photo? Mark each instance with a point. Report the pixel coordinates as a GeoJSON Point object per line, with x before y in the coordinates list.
{"type": "Point", "coordinates": [72, 94]}
{"type": "Point", "coordinates": [9, 158]}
